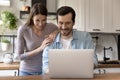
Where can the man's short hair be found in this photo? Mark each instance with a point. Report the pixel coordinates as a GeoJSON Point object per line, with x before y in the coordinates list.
{"type": "Point", "coordinates": [65, 10]}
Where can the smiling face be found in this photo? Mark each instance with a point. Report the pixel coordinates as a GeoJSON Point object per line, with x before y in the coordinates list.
{"type": "Point", "coordinates": [65, 25]}
{"type": "Point", "coordinates": [39, 21]}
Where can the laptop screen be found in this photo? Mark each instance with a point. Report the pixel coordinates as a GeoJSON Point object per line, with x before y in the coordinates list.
{"type": "Point", "coordinates": [71, 63]}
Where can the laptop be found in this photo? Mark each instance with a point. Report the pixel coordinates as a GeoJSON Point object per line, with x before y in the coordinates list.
{"type": "Point", "coordinates": [71, 63]}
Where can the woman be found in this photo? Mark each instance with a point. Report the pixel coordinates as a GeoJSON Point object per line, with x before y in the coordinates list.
{"type": "Point", "coordinates": [31, 40]}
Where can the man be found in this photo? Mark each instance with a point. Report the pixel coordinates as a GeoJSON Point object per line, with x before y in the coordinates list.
{"type": "Point", "coordinates": [67, 38]}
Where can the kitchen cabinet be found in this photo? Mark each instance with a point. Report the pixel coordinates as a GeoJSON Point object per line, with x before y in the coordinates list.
{"type": "Point", "coordinates": [115, 10]}
{"type": "Point", "coordinates": [9, 69]}
{"type": "Point", "coordinates": [112, 70]}
{"type": "Point", "coordinates": [98, 16]}
{"type": "Point", "coordinates": [101, 16]}
{"type": "Point", "coordinates": [95, 15]}
{"type": "Point", "coordinates": [107, 70]}
{"type": "Point", "coordinates": [61, 3]}
{"type": "Point", "coordinates": [8, 72]}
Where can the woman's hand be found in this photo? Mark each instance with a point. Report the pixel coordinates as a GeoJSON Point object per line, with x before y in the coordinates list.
{"type": "Point", "coordinates": [46, 42]}
{"type": "Point", "coordinates": [53, 34]}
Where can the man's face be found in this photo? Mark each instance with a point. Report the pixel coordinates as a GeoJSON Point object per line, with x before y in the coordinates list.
{"type": "Point", "coordinates": [65, 24]}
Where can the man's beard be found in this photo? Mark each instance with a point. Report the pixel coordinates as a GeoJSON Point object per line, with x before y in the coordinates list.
{"type": "Point", "coordinates": [65, 32]}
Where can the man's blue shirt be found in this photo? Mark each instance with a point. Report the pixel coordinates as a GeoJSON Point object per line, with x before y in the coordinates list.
{"type": "Point", "coordinates": [81, 40]}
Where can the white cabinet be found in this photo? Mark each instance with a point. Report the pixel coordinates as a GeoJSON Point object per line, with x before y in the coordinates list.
{"type": "Point", "coordinates": [115, 9]}
{"type": "Point", "coordinates": [106, 70]}
{"type": "Point", "coordinates": [112, 70]}
{"type": "Point", "coordinates": [102, 16]}
{"type": "Point", "coordinates": [94, 15]}
{"type": "Point", "coordinates": [8, 72]}
{"type": "Point", "coordinates": [61, 3]}
{"type": "Point", "coordinates": [98, 16]}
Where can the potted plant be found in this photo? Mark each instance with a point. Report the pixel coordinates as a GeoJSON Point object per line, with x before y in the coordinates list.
{"type": "Point", "coordinates": [5, 44]}
{"type": "Point", "coordinates": [9, 21]}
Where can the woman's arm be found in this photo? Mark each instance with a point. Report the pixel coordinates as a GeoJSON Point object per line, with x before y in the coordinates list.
{"type": "Point", "coordinates": [45, 43]}
{"type": "Point", "coordinates": [21, 44]}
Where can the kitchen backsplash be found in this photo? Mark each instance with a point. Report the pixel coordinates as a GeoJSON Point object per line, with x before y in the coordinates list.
{"type": "Point", "coordinates": [106, 40]}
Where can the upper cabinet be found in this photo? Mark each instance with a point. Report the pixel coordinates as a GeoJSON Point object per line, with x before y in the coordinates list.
{"type": "Point", "coordinates": [115, 9]}
{"type": "Point", "coordinates": [95, 15]}
{"type": "Point", "coordinates": [101, 16]}
{"type": "Point", "coordinates": [61, 3]}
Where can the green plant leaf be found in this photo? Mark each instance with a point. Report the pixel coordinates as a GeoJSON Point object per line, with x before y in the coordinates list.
{"type": "Point", "coordinates": [9, 20]}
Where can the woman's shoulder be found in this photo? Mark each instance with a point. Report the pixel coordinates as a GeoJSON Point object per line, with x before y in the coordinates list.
{"type": "Point", "coordinates": [22, 28]}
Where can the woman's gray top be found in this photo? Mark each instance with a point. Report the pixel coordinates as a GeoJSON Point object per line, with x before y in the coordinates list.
{"type": "Point", "coordinates": [27, 41]}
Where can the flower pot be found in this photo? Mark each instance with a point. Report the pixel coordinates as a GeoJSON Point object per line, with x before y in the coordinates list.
{"type": "Point", "coordinates": [4, 46]}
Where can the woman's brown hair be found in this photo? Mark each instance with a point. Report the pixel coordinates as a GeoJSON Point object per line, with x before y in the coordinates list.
{"type": "Point", "coordinates": [37, 8]}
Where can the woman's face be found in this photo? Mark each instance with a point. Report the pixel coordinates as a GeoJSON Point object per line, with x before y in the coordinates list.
{"type": "Point", "coordinates": [39, 21]}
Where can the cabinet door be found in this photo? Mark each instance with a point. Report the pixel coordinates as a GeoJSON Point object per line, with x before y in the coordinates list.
{"type": "Point", "coordinates": [107, 16]}
{"type": "Point", "coordinates": [61, 3]}
{"type": "Point", "coordinates": [8, 72]}
{"type": "Point", "coordinates": [106, 70]}
{"type": "Point", "coordinates": [95, 15]}
{"type": "Point", "coordinates": [116, 16]}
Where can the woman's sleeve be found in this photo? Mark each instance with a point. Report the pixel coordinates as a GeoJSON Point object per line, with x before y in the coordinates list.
{"type": "Point", "coordinates": [20, 44]}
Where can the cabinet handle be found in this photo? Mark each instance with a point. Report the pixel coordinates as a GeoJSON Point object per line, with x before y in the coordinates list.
{"type": "Point", "coordinates": [96, 30]}
{"type": "Point", "coordinates": [118, 30]}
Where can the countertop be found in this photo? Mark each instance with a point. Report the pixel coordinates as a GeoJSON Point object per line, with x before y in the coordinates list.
{"type": "Point", "coordinates": [110, 76]}
{"type": "Point", "coordinates": [13, 66]}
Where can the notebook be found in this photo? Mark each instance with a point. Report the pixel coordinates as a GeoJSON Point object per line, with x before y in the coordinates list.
{"type": "Point", "coordinates": [71, 63]}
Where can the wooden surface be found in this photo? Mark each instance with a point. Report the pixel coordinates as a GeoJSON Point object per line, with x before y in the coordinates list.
{"type": "Point", "coordinates": [13, 66]}
{"type": "Point", "coordinates": [109, 65]}
{"type": "Point", "coordinates": [112, 76]}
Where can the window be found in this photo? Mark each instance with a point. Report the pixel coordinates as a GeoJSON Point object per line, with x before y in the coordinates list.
{"type": "Point", "coordinates": [4, 2]}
